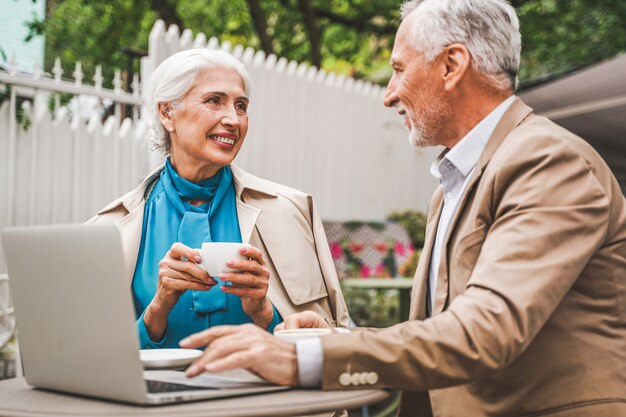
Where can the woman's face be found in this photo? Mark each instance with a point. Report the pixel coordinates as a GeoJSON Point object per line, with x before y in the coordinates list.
{"type": "Point", "coordinates": [208, 127]}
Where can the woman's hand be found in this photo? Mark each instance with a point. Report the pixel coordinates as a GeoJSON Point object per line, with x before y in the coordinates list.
{"type": "Point", "coordinates": [250, 282]}
{"type": "Point", "coordinates": [303, 320]}
{"type": "Point", "coordinates": [178, 272]}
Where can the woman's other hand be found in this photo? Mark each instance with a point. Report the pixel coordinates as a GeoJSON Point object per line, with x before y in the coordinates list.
{"type": "Point", "coordinates": [178, 272]}
{"type": "Point", "coordinates": [303, 320]}
{"type": "Point", "coordinates": [250, 282]}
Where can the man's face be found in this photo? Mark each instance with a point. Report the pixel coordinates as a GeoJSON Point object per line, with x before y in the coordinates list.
{"type": "Point", "coordinates": [416, 91]}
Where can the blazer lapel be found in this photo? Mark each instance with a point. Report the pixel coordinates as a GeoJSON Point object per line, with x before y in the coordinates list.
{"type": "Point", "coordinates": [442, 292]}
{"type": "Point", "coordinates": [514, 115]}
{"type": "Point", "coordinates": [418, 292]}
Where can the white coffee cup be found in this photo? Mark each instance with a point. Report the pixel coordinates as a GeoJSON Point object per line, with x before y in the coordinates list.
{"type": "Point", "coordinates": [291, 335]}
{"type": "Point", "coordinates": [215, 255]}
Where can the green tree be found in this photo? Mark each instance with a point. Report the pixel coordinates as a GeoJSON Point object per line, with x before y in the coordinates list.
{"type": "Point", "coordinates": [562, 35]}
{"type": "Point", "coordinates": [95, 32]}
{"type": "Point", "coordinates": [352, 37]}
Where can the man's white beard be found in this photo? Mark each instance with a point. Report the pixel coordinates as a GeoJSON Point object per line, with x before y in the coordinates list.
{"type": "Point", "coordinates": [417, 135]}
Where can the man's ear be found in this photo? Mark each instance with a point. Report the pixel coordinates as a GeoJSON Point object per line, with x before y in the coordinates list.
{"type": "Point", "coordinates": [456, 59]}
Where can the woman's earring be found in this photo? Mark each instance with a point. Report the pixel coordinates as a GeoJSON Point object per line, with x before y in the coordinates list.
{"type": "Point", "coordinates": [170, 129]}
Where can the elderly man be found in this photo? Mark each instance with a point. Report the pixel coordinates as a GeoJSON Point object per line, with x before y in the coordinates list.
{"type": "Point", "coordinates": [519, 300]}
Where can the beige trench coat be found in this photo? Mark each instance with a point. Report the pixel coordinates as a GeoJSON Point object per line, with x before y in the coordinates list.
{"type": "Point", "coordinates": [280, 221]}
{"type": "Point", "coordinates": [530, 308]}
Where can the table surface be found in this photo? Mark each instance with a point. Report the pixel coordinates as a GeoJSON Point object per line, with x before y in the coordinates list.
{"type": "Point", "coordinates": [18, 399]}
{"type": "Point", "coordinates": [382, 283]}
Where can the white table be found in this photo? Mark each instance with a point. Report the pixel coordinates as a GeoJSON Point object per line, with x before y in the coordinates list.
{"type": "Point", "coordinates": [17, 399]}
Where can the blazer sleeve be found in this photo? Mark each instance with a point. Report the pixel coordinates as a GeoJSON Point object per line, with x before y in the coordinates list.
{"type": "Point", "coordinates": [550, 214]}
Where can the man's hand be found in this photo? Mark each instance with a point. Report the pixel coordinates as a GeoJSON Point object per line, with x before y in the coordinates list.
{"type": "Point", "coordinates": [246, 346]}
{"type": "Point", "coordinates": [305, 319]}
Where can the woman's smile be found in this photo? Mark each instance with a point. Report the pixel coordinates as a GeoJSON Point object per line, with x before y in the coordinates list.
{"type": "Point", "coordinates": [224, 139]}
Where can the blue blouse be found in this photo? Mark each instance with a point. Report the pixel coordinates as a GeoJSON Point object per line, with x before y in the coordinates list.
{"type": "Point", "coordinates": [169, 218]}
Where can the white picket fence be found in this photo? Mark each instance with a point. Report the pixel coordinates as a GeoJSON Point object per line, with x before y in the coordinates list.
{"type": "Point", "coordinates": [64, 167]}
{"type": "Point", "coordinates": [324, 134]}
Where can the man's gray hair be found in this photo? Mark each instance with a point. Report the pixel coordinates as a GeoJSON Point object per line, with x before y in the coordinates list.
{"type": "Point", "coordinates": [173, 79]}
{"type": "Point", "coordinates": [489, 29]}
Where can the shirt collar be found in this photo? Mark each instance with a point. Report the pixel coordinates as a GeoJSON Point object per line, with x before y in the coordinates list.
{"type": "Point", "coordinates": [465, 154]}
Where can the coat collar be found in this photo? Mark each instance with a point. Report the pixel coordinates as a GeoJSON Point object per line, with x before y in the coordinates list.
{"type": "Point", "coordinates": [134, 198]}
{"type": "Point", "coordinates": [246, 181]}
{"type": "Point", "coordinates": [243, 181]}
{"type": "Point", "coordinates": [514, 115]}
{"type": "Point", "coordinates": [134, 201]}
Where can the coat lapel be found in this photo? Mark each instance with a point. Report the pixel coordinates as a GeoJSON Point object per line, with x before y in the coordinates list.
{"type": "Point", "coordinates": [247, 216]}
{"type": "Point", "coordinates": [130, 208]}
{"type": "Point", "coordinates": [259, 209]}
{"type": "Point", "coordinates": [442, 292]}
{"type": "Point", "coordinates": [130, 234]}
{"type": "Point", "coordinates": [514, 115]}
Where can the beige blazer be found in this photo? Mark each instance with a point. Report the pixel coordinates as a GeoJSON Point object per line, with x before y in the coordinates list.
{"type": "Point", "coordinates": [280, 221]}
{"type": "Point", "coordinates": [530, 309]}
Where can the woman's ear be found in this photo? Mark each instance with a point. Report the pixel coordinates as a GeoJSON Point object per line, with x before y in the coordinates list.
{"type": "Point", "coordinates": [456, 59]}
{"type": "Point", "coordinates": [165, 115]}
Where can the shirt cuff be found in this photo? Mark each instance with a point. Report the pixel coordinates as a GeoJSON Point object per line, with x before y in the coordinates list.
{"type": "Point", "coordinates": [310, 360]}
{"type": "Point", "coordinates": [144, 338]}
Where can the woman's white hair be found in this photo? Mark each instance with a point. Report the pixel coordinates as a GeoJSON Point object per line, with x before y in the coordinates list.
{"type": "Point", "coordinates": [173, 79]}
{"type": "Point", "coordinates": [489, 29]}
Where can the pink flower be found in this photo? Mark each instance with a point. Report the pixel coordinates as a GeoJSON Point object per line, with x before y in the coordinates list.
{"type": "Point", "coordinates": [336, 251]}
{"type": "Point", "coordinates": [380, 271]}
{"type": "Point", "coordinates": [400, 249]}
{"type": "Point", "coordinates": [365, 271]}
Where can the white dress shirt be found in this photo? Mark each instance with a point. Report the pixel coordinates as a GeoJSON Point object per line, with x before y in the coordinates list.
{"type": "Point", "coordinates": [453, 168]}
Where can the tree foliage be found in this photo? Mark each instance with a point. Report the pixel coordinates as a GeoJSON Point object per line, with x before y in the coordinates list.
{"type": "Point", "coordinates": [562, 35]}
{"type": "Point", "coordinates": [352, 37]}
{"type": "Point", "coordinates": [94, 33]}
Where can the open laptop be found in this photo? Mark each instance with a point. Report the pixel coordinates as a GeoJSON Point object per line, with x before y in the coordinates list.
{"type": "Point", "coordinates": [76, 319]}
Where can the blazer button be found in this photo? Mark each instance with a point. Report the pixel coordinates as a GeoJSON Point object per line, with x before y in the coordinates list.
{"type": "Point", "coordinates": [372, 378]}
{"type": "Point", "coordinates": [354, 378]}
{"type": "Point", "coordinates": [344, 379]}
{"type": "Point", "coordinates": [363, 378]}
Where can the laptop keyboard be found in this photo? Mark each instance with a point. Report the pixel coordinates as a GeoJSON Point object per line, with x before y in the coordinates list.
{"type": "Point", "coordinates": [155, 387]}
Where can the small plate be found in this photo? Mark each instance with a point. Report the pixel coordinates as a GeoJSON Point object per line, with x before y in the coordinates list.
{"type": "Point", "coordinates": [167, 358]}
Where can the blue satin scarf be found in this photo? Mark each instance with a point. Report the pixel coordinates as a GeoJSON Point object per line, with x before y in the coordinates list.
{"type": "Point", "coordinates": [216, 220]}
{"type": "Point", "coordinates": [169, 218]}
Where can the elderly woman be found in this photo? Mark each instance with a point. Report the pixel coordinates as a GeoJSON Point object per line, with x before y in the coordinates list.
{"type": "Point", "coordinates": [198, 107]}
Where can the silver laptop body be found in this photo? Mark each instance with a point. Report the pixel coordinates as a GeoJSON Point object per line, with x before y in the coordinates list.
{"type": "Point", "coordinates": [75, 316]}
